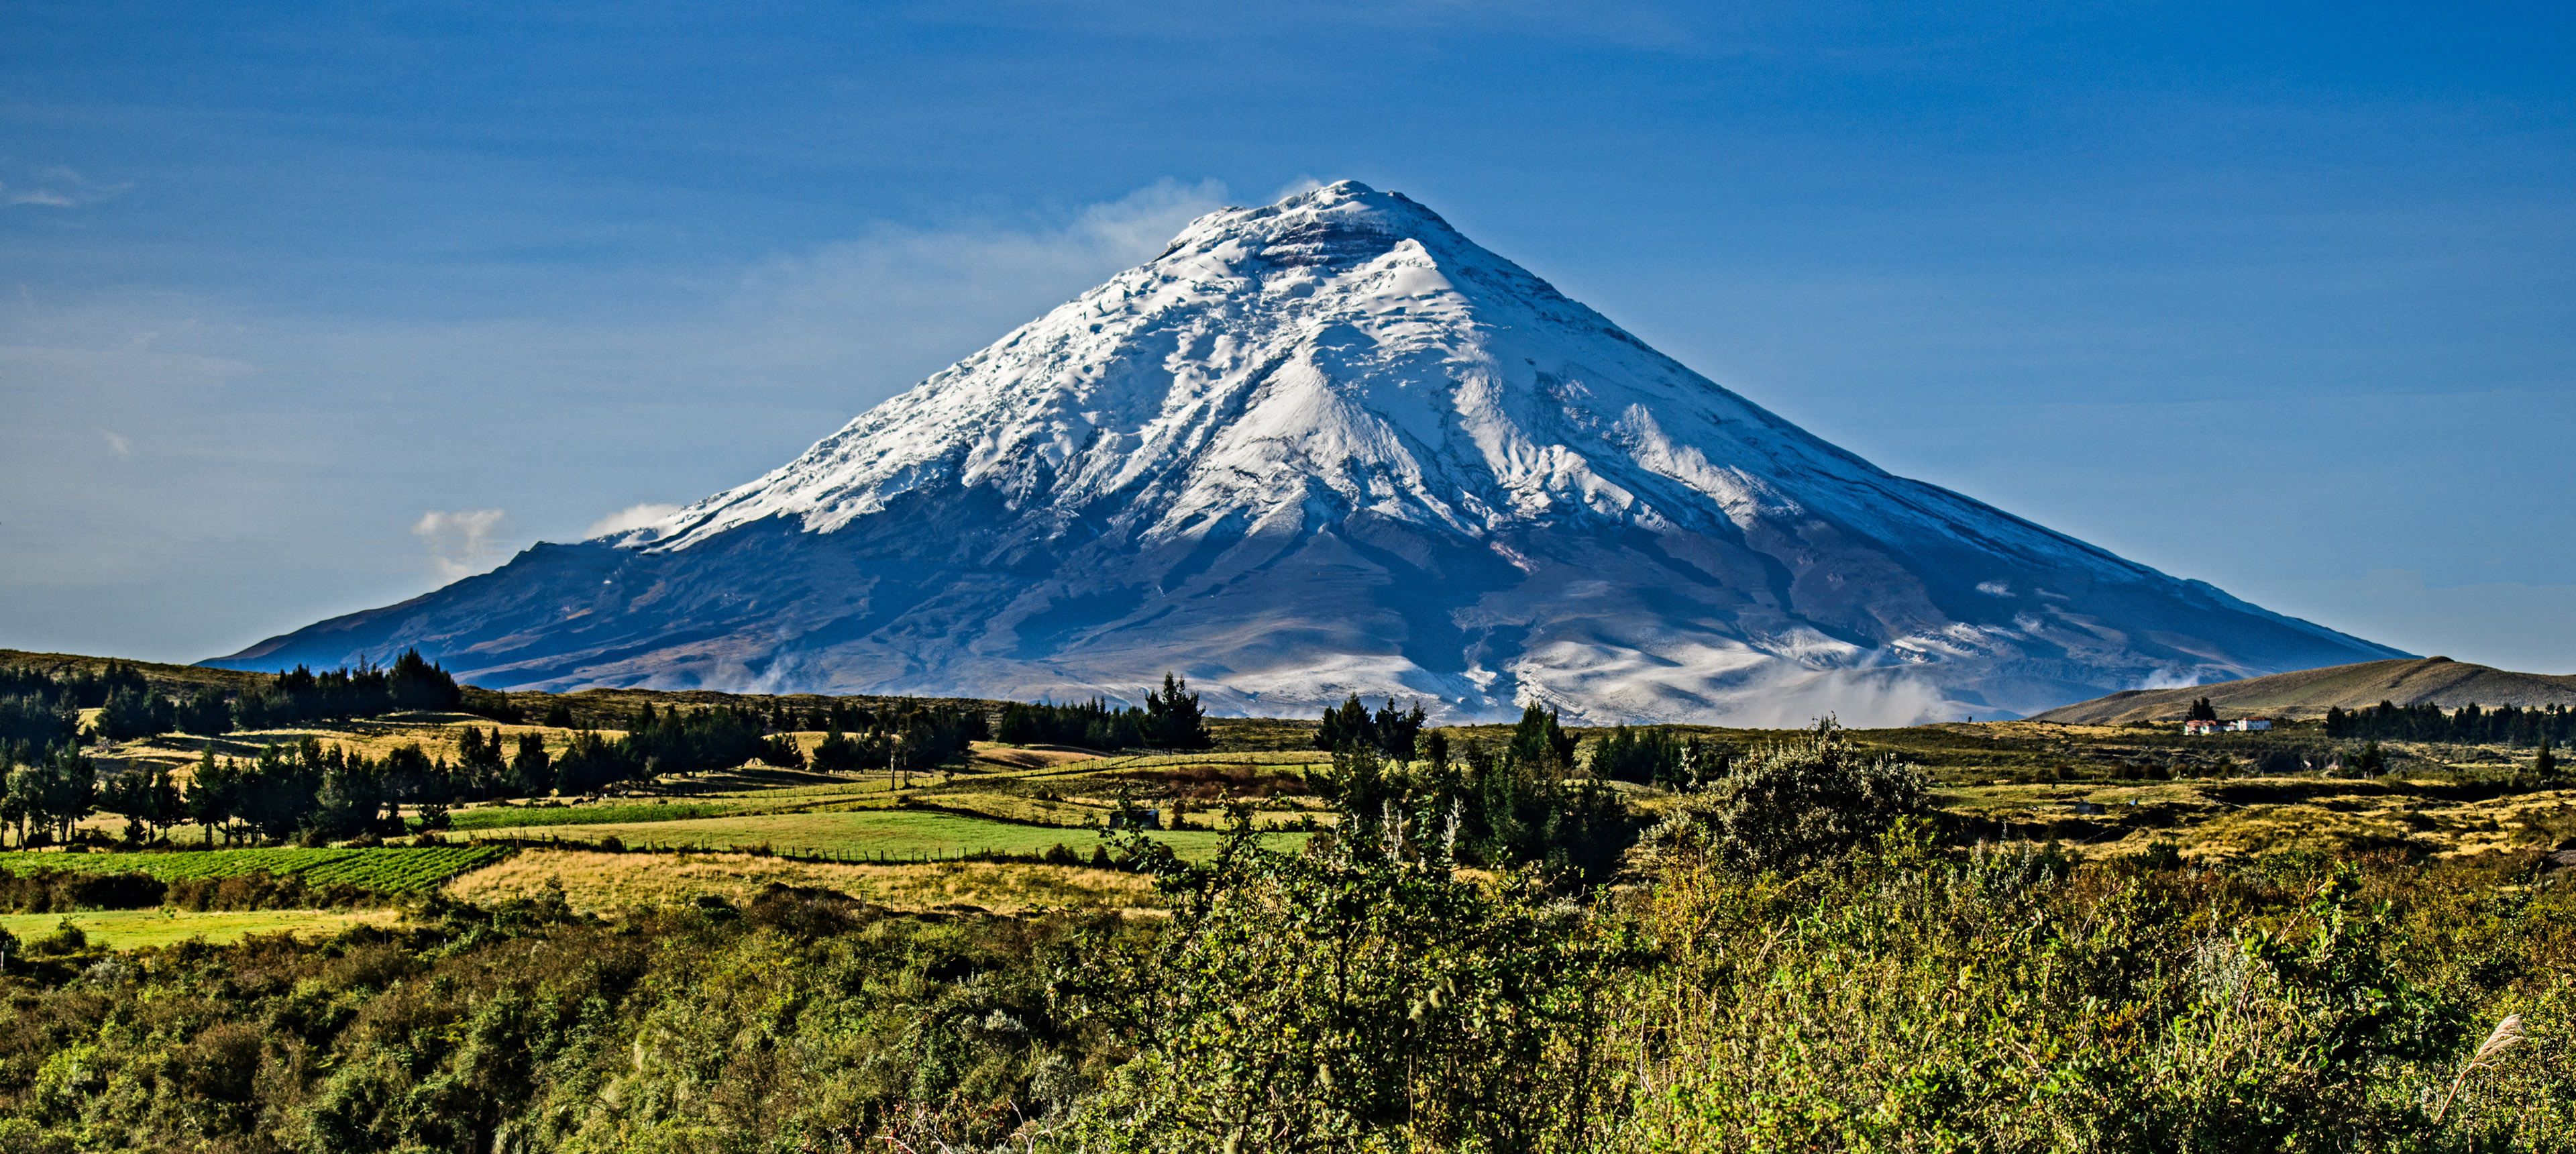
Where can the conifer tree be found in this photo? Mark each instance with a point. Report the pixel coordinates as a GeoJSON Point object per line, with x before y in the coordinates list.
{"type": "Point", "coordinates": [1173, 718]}
{"type": "Point", "coordinates": [1540, 738]}
{"type": "Point", "coordinates": [1397, 733]}
{"type": "Point", "coordinates": [531, 770]}
{"type": "Point", "coordinates": [1345, 726]}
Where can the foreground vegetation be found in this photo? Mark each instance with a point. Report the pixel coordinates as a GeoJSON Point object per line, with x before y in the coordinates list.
{"type": "Point", "coordinates": [1794, 957]}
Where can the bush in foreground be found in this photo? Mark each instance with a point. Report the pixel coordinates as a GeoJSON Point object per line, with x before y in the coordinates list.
{"type": "Point", "coordinates": [1901, 997]}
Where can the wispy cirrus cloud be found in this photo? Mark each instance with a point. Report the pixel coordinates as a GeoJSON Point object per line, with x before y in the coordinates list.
{"type": "Point", "coordinates": [58, 187]}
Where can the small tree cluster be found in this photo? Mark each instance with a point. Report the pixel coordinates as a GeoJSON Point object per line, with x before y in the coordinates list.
{"type": "Point", "coordinates": [44, 796]}
{"type": "Point", "coordinates": [1656, 755]}
{"type": "Point", "coordinates": [1390, 733]}
{"type": "Point", "coordinates": [1523, 804]}
{"type": "Point", "coordinates": [905, 740]}
{"type": "Point", "coordinates": [1093, 724]}
{"type": "Point", "coordinates": [1171, 718]}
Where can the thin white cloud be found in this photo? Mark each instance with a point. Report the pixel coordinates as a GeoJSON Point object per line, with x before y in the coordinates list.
{"type": "Point", "coordinates": [59, 187]}
{"type": "Point", "coordinates": [116, 444]}
{"type": "Point", "coordinates": [628, 519]}
{"type": "Point", "coordinates": [461, 543]}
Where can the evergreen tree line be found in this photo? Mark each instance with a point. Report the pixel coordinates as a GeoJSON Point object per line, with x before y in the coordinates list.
{"type": "Point", "coordinates": [904, 740]}
{"type": "Point", "coordinates": [1645, 755]}
{"type": "Point", "coordinates": [42, 710]}
{"type": "Point", "coordinates": [1090, 724]}
{"type": "Point", "coordinates": [1657, 755]}
{"type": "Point", "coordinates": [41, 796]}
{"type": "Point", "coordinates": [2468, 725]}
{"type": "Point", "coordinates": [410, 683]}
{"type": "Point", "coordinates": [1353, 726]}
{"type": "Point", "coordinates": [657, 742]}
{"type": "Point", "coordinates": [308, 791]}
{"type": "Point", "coordinates": [1170, 719]}
{"type": "Point", "coordinates": [288, 791]}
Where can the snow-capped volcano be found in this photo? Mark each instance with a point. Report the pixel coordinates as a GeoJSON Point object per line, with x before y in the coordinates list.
{"type": "Point", "coordinates": [1333, 446]}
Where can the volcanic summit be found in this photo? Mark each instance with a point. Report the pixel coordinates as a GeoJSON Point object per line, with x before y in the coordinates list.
{"type": "Point", "coordinates": [1332, 446]}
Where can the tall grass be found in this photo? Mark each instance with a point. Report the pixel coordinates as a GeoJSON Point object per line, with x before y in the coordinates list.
{"type": "Point", "coordinates": [2012, 1001]}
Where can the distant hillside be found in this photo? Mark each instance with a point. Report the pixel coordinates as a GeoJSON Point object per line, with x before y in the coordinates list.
{"type": "Point", "coordinates": [2310, 692]}
{"type": "Point", "coordinates": [175, 679]}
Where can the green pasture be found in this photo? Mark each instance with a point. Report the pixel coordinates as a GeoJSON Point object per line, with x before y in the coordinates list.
{"type": "Point", "coordinates": [613, 813]}
{"type": "Point", "coordinates": [386, 870]}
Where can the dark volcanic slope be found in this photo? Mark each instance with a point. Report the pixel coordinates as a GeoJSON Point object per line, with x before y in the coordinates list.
{"type": "Point", "coordinates": [2310, 692]}
{"type": "Point", "coordinates": [1331, 446]}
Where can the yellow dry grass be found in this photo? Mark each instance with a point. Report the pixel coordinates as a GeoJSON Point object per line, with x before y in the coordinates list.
{"type": "Point", "coordinates": [608, 882]}
{"type": "Point", "coordinates": [1029, 757]}
{"type": "Point", "coordinates": [436, 733]}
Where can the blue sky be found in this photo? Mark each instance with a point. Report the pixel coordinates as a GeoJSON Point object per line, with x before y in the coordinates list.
{"type": "Point", "coordinates": [294, 298]}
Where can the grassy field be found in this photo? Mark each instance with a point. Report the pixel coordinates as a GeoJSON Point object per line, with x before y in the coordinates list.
{"type": "Point", "coordinates": [137, 929]}
{"type": "Point", "coordinates": [606, 813]}
{"type": "Point", "coordinates": [405, 870]}
{"type": "Point", "coordinates": [889, 833]}
{"type": "Point", "coordinates": [608, 882]}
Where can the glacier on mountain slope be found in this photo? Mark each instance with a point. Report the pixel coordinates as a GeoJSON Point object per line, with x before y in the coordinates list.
{"type": "Point", "coordinates": [1331, 446]}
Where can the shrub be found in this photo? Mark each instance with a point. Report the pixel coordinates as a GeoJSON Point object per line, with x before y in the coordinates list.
{"type": "Point", "coordinates": [1792, 805]}
{"type": "Point", "coordinates": [48, 891]}
{"type": "Point", "coordinates": [67, 939]}
{"type": "Point", "coordinates": [1352, 1000]}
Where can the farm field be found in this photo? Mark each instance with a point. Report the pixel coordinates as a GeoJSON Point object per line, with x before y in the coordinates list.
{"type": "Point", "coordinates": [387, 870]}
{"type": "Point", "coordinates": [890, 833]}
{"type": "Point", "coordinates": [608, 882]}
{"type": "Point", "coordinates": [489, 817]}
{"type": "Point", "coordinates": [2246, 817]}
{"type": "Point", "coordinates": [141, 929]}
